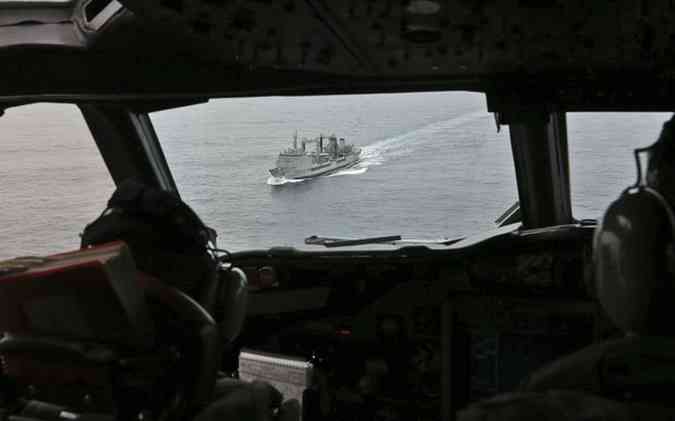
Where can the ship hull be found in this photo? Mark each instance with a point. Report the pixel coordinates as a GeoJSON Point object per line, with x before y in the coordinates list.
{"type": "Point", "coordinates": [325, 169]}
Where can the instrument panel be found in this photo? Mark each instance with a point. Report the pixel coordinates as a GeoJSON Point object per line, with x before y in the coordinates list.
{"type": "Point", "coordinates": [422, 334]}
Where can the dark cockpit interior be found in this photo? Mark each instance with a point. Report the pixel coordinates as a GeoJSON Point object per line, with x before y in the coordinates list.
{"type": "Point", "coordinates": [415, 332]}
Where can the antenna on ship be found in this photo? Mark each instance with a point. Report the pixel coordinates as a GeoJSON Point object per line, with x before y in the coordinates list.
{"type": "Point", "coordinates": [295, 140]}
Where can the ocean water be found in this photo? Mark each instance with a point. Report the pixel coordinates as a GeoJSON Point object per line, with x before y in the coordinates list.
{"type": "Point", "coordinates": [434, 166]}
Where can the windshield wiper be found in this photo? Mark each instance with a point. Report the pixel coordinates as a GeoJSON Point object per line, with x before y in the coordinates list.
{"type": "Point", "coordinates": [316, 240]}
{"type": "Point", "coordinates": [510, 216]}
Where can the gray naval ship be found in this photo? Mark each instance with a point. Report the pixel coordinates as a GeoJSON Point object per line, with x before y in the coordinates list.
{"type": "Point", "coordinates": [329, 155]}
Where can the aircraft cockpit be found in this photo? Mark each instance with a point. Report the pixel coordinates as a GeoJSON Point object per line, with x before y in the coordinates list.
{"type": "Point", "coordinates": [489, 254]}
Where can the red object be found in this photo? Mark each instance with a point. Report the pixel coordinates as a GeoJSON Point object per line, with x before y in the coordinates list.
{"type": "Point", "coordinates": [89, 295]}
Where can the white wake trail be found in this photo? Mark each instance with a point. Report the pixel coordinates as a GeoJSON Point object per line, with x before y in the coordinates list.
{"type": "Point", "coordinates": [379, 152]}
{"type": "Point", "coordinates": [355, 170]}
{"type": "Point", "coordinates": [280, 181]}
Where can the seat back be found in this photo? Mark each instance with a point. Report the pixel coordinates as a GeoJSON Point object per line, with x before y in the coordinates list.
{"type": "Point", "coordinates": [192, 329]}
{"type": "Point", "coordinates": [231, 303]}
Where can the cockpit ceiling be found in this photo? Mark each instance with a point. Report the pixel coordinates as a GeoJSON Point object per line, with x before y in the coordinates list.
{"type": "Point", "coordinates": [426, 37]}
{"type": "Point", "coordinates": [604, 54]}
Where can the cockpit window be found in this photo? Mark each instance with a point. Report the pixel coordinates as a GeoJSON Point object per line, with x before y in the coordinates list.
{"type": "Point", "coordinates": [601, 155]}
{"type": "Point", "coordinates": [52, 179]}
{"type": "Point", "coordinates": [431, 166]}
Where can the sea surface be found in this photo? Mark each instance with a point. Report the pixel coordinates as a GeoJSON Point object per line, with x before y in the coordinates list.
{"type": "Point", "coordinates": [434, 166]}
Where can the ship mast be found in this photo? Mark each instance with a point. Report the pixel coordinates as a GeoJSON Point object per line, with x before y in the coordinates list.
{"type": "Point", "coordinates": [295, 141]}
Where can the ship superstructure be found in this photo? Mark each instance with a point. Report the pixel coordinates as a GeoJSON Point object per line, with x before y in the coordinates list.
{"type": "Point", "coordinates": [328, 155]}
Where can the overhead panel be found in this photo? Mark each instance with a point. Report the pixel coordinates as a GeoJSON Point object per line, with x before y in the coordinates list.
{"type": "Point", "coordinates": [429, 37]}
{"type": "Point", "coordinates": [573, 54]}
{"type": "Point", "coordinates": [285, 35]}
{"type": "Point", "coordinates": [483, 38]}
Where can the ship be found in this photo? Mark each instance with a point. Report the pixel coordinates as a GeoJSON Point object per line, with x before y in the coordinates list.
{"type": "Point", "coordinates": [329, 155]}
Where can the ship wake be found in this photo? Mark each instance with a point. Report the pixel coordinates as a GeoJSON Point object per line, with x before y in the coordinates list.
{"type": "Point", "coordinates": [280, 181]}
{"type": "Point", "coordinates": [383, 150]}
{"type": "Point", "coordinates": [355, 170]}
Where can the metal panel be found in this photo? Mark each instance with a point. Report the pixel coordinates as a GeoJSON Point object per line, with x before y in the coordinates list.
{"type": "Point", "coordinates": [128, 144]}
{"type": "Point", "coordinates": [539, 143]}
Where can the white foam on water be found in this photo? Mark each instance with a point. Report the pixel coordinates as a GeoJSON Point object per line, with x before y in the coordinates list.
{"type": "Point", "coordinates": [355, 170]}
{"type": "Point", "coordinates": [280, 181]}
{"type": "Point", "coordinates": [379, 152]}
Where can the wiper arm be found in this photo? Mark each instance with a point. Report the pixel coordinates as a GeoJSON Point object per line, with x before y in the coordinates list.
{"type": "Point", "coordinates": [510, 216]}
{"type": "Point", "coordinates": [316, 240]}
{"type": "Point", "coordinates": [341, 242]}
